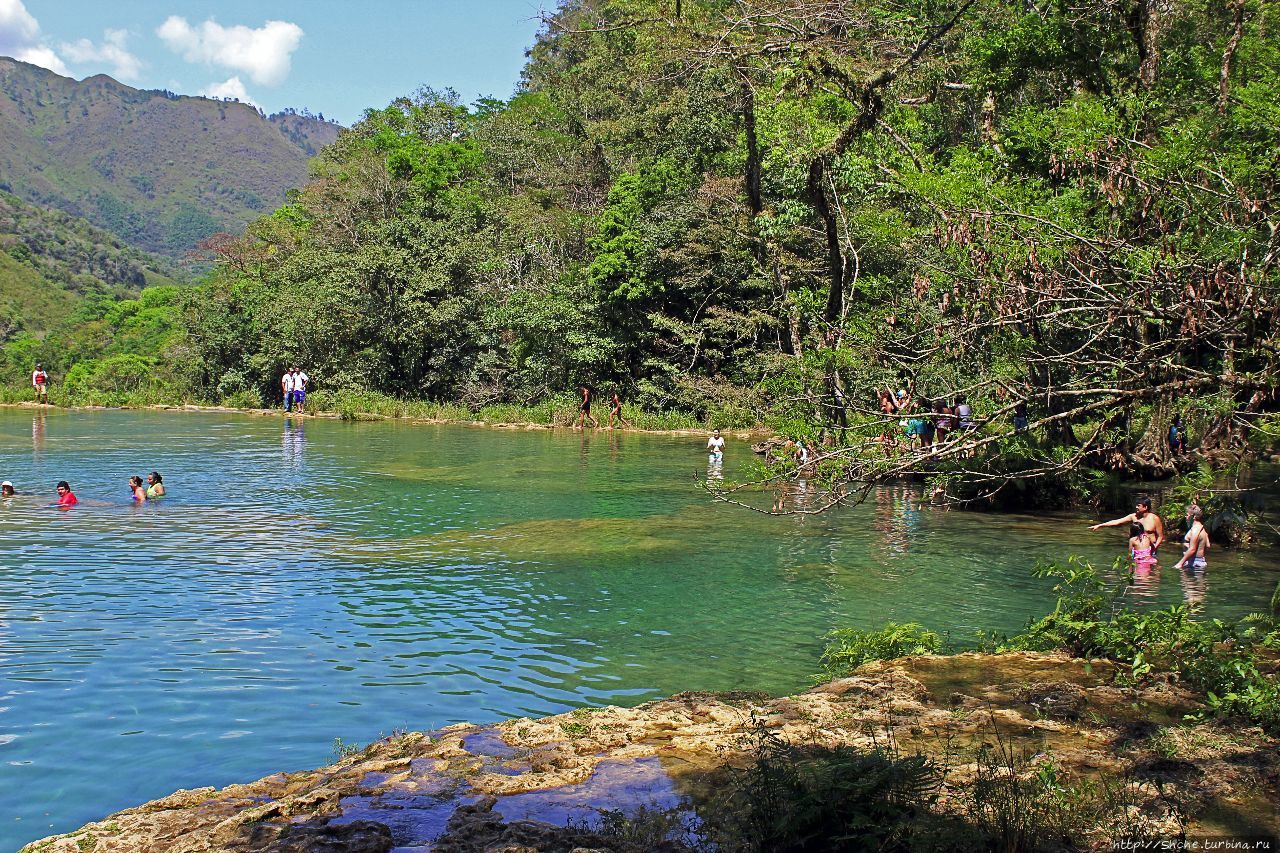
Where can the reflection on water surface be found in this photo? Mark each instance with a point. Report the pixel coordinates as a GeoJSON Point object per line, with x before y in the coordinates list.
{"type": "Point", "coordinates": [312, 579]}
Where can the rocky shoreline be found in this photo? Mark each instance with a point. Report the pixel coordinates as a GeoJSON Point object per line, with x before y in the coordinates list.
{"type": "Point", "coordinates": [564, 782]}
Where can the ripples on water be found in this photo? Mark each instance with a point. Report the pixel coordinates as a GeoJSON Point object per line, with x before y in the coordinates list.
{"type": "Point", "coordinates": [311, 581]}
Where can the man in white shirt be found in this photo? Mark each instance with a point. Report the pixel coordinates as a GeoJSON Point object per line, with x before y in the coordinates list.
{"type": "Point", "coordinates": [300, 390]}
{"type": "Point", "coordinates": [286, 387]}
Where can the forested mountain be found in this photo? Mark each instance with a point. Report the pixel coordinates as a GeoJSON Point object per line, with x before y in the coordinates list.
{"type": "Point", "coordinates": [158, 170]}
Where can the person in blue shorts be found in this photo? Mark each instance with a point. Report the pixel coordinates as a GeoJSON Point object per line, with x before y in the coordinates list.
{"type": "Point", "coordinates": [300, 380]}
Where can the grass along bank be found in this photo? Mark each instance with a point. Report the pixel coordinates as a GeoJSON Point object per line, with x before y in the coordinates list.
{"type": "Point", "coordinates": [561, 411]}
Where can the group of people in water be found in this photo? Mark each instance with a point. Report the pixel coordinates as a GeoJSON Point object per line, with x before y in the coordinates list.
{"type": "Point", "coordinates": [1146, 535]}
{"type": "Point", "coordinates": [139, 491]}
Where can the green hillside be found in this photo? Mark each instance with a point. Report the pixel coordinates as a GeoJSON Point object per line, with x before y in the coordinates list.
{"type": "Point", "coordinates": [52, 262]}
{"type": "Point", "coordinates": [158, 170]}
{"type": "Point", "coordinates": [71, 291]}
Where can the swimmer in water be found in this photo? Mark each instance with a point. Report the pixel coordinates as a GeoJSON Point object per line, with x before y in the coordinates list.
{"type": "Point", "coordinates": [155, 485]}
{"type": "Point", "coordinates": [66, 497]}
{"type": "Point", "coordinates": [1142, 514]}
{"type": "Point", "coordinates": [6, 489]}
{"type": "Point", "coordinates": [137, 489]}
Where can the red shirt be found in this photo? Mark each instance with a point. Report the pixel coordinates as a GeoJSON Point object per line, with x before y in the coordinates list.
{"type": "Point", "coordinates": [67, 498]}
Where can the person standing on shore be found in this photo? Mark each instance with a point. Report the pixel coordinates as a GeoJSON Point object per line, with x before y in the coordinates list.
{"type": "Point", "coordinates": [286, 388]}
{"type": "Point", "coordinates": [1142, 514]}
{"type": "Point", "coordinates": [300, 380]}
{"type": "Point", "coordinates": [1177, 436]}
{"type": "Point", "coordinates": [40, 384]}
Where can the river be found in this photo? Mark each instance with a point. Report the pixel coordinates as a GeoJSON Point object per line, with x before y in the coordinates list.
{"type": "Point", "coordinates": [312, 580]}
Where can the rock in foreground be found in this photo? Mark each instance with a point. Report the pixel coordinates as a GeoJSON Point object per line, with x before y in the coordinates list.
{"type": "Point", "coordinates": [542, 785]}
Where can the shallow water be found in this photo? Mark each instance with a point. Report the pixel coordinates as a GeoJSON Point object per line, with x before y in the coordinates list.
{"type": "Point", "coordinates": [320, 580]}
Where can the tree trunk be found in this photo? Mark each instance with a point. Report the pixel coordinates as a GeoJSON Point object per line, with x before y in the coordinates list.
{"type": "Point", "coordinates": [1228, 53]}
{"type": "Point", "coordinates": [1152, 18]}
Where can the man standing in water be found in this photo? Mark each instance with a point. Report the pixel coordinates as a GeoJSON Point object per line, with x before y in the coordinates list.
{"type": "Point", "coordinates": [40, 384]}
{"type": "Point", "coordinates": [1142, 514]}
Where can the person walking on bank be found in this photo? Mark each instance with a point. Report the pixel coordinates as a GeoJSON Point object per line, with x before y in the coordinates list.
{"type": "Point", "coordinates": [615, 410]}
{"type": "Point", "coordinates": [584, 410]}
{"type": "Point", "coordinates": [1177, 437]}
{"type": "Point", "coordinates": [40, 384]}
{"type": "Point", "coordinates": [1142, 514]}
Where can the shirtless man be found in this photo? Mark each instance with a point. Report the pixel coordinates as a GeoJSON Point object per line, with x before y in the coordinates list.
{"type": "Point", "coordinates": [584, 410]}
{"type": "Point", "coordinates": [1142, 514]}
{"type": "Point", "coordinates": [615, 410]}
{"type": "Point", "coordinates": [1197, 541]}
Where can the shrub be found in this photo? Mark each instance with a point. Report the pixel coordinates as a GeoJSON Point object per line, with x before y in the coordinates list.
{"type": "Point", "coordinates": [807, 797]}
{"type": "Point", "coordinates": [848, 648]}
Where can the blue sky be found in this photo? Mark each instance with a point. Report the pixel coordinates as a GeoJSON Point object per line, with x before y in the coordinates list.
{"type": "Point", "coordinates": [334, 57]}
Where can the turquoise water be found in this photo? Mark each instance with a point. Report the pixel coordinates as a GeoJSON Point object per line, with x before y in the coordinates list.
{"type": "Point", "coordinates": [305, 582]}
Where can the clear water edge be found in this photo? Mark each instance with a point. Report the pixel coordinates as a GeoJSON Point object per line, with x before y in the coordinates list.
{"type": "Point", "coordinates": [307, 580]}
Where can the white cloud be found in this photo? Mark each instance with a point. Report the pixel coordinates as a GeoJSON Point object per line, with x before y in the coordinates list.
{"type": "Point", "coordinates": [264, 54]}
{"type": "Point", "coordinates": [20, 38]}
{"type": "Point", "coordinates": [230, 88]}
{"type": "Point", "coordinates": [112, 51]}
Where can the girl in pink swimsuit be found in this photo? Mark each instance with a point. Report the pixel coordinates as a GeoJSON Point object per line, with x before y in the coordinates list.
{"type": "Point", "coordinates": [1140, 542]}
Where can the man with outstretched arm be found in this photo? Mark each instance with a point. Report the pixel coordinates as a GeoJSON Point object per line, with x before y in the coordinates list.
{"type": "Point", "coordinates": [1142, 514]}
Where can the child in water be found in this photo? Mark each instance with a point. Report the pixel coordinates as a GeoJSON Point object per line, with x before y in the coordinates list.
{"type": "Point", "coordinates": [1140, 542]}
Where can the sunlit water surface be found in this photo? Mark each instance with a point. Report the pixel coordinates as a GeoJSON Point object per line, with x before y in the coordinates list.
{"type": "Point", "coordinates": [306, 582]}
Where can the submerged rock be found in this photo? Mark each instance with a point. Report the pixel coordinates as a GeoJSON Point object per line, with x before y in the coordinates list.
{"type": "Point", "coordinates": [563, 783]}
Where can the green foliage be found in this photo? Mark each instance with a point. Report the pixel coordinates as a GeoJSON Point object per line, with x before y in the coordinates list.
{"type": "Point", "coordinates": [343, 750]}
{"type": "Point", "coordinates": [1211, 656]}
{"type": "Point", "coordinates": [1018, 801]}
{"type": "Point", "coordinates": [848, 648]}
{"type": "Point", "coordinates": [624, 262]}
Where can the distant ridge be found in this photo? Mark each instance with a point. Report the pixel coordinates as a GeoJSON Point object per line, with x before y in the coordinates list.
{"type": "Point", "coordinates": [159, 170]}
